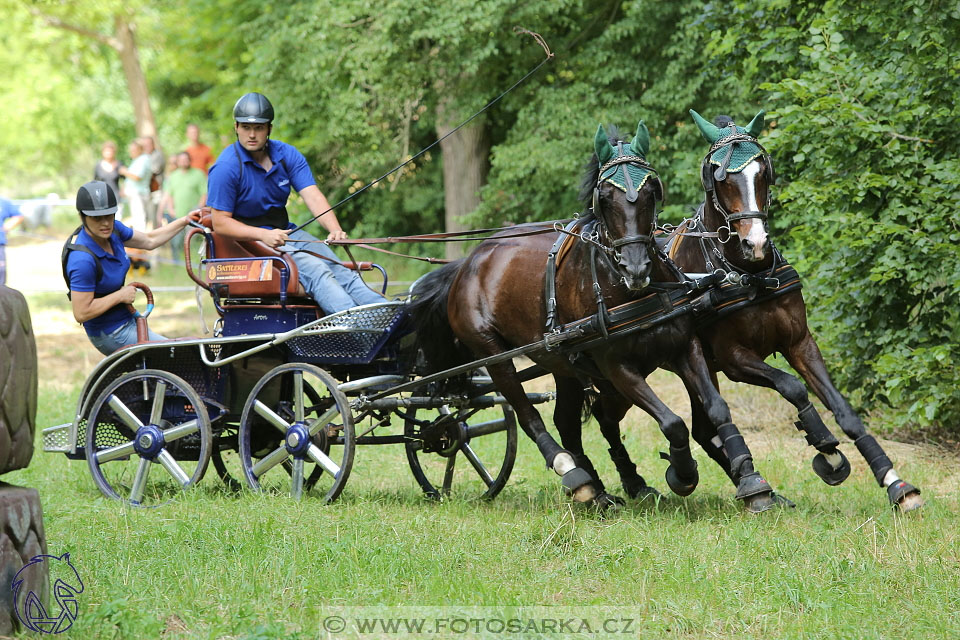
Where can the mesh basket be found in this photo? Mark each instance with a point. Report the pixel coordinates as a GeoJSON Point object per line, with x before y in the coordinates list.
{"type": "Point", "coordinates": [354, 336]}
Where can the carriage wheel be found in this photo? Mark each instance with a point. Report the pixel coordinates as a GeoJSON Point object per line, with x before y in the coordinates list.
{"type": "Point", "coordinates": [225, 454]}
{"type": "Point", "coordinates": [434, 447]}
{"type": "Point", "coordinates": [297, 430]}
{"type": "Point", "coordinates": [146, 418]}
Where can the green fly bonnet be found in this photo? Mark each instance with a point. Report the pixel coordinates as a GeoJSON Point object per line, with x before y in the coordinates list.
{"type": "Point", "coordinates": [624, 165]}
{"type": "Point", "coordinates": [732, 148]}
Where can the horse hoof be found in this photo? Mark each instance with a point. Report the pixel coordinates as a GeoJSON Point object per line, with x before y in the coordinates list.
{"type": "Point", "coordinates": [827, 473]}
{"type": "Point", "coordinates": [760, 502]}
{"type": "Point", "coordinates": [751, 485]}
{"type": "Point", "coordinates": [678, 485]}
{"type": "Point", "coordinates": [608, 502]}
{"type": "Point", "coordinates": [647, 492]}
{"type": "Point", "coordinates": [578, 483]}
{"type": "Point", "coordinates": [904, 496]}
{"type": "Point", "coordinates": [586, 493]}
{"type": "Point", "coordinates": [635, 486]}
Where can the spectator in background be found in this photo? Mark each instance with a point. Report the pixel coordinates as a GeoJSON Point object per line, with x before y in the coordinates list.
{"type": "Point", "coordinates": [184, 190]}
{"type": "Point", "coordinates": [200, 155]}
{"type": "Point", "coordinates": [136, 190]}
{"type": "Point", "coordinates": [108, 168]}
{"type": "Point", "coordinates": [9, 218]}
{"type": "Point", "coordinates": [157, 167]}
{"type": "Point", "coordinates": [136, 187]}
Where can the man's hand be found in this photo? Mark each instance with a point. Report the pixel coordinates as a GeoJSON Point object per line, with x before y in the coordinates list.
{"type": "Point", "coordinates": [274, 237]}
{"type": "Point", "coordinates": [339, 234]}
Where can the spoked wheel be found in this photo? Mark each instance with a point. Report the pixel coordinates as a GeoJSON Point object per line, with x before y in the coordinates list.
{"type": "Point", "coordinates": [146, 418]}
{"type": "Point", "coordinates": [296, 431]}
{"type": "Point", "coordinates": [489, 446]}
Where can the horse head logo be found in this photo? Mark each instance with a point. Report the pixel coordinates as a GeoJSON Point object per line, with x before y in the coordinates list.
{"type": "Point", "coordinates": [66, 586]}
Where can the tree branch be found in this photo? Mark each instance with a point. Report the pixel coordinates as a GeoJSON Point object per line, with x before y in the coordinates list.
{"type": "Point", "coordinates": [66, 26]}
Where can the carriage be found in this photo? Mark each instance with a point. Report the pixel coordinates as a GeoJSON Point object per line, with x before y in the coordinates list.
{"type": "Point", "coordinates": [281, 395]}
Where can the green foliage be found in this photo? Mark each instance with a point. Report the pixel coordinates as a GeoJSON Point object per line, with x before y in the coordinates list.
{"type": "Point", "coordinates": [865, 138]}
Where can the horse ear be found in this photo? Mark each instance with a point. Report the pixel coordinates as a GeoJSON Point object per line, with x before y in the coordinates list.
{"type": "Point", "coordinates": [602, 146]}
{"type": "Point", "coordinates": [756, 125]}
{"type": "Point", "coordinates": [710, 132]}
{"type": "Point", "coordinates": [641, 142]}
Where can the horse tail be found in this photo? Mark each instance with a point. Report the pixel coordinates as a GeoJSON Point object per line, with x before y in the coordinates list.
{"type": "Point", "coordinates": [428, 310]}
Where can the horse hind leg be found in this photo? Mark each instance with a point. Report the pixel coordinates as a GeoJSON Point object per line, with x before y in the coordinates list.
{"type": "Point", "coordinates": [575, 480]}
{"type": "Point", "coordinates": [829, 463]}
{"type": "Point", "coordinates": [609, 410]}
{"type": "Point", "coordinates": [805, 357]}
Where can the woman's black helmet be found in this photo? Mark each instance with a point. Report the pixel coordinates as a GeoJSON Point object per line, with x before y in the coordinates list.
{"type": "Point", "coordinates": [253, 107]}
{"type": "Point", "coordinates": [96, 199]}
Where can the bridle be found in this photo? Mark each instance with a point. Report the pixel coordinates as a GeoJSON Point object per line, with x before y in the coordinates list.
{"type": "Point", "coordinates": [612, 249]}
{"type": "Point", "coordinates": [709, 176]}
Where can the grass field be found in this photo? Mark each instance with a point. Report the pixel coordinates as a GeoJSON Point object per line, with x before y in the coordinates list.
{"type": "Point", "coordinates": [220, 565]}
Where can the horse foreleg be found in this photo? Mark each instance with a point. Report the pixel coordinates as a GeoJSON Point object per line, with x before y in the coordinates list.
{"type": "Point", "coordinates": [681, 475]}
{"type": "Point", "coordinates": [805, 357]}
{"type": "Point", "coordinates": [704, 433]}
{"type": "Point", "coordinates": [609, 410]}
{"type": "Point", "coordinates": [830, 464]}
{"type": "Point", "coordinates": [751, 486]}
{"type": "Point", "coordinates": [576, 480]}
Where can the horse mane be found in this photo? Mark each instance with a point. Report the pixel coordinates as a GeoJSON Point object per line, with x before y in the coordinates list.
{"type": "Point", "coordinates": [723, 121]}
{"type": "Point", "coordinates": [592, 167]}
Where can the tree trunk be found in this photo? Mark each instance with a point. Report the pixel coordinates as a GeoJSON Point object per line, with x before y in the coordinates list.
{"type": "Point", "coordinates": [466, 156]}
{"type": "Point", "coordinates": [136, 81]}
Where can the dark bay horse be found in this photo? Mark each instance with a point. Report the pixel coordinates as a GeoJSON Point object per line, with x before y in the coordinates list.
{"type": "Point", "coordinates": [730, 233]}
{"type": "Point", "coordinates": [494, 301]}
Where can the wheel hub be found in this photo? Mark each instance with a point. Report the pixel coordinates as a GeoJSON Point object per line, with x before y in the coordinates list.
{"type": "Point", "coordinates": [297, 439]}
{"type": "Point", "coordinates": [149, 441]}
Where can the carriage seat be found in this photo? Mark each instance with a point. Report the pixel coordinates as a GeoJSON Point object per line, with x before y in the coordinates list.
{"type": "Point", "coordinates": [259, 280]}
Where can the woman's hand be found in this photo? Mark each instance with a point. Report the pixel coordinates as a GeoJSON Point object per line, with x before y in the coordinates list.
{"type": "Point", "coordinates": [127, 294]}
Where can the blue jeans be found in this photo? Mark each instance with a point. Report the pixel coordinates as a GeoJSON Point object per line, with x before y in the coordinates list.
{"type": "Point", "coordinates": [3, 264]}
{"type": "Point", "coordinates": [333, 286]}
{"type": "Point", "coordinates": [107, 343]}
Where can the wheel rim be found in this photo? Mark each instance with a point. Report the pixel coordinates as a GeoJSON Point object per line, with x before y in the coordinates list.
{"type": "Point", "coordinates": [146, 443]}
{"type": "Point", "coordinates": [296, 431]}
{"type": "Point", "coordinates": [474, 457]}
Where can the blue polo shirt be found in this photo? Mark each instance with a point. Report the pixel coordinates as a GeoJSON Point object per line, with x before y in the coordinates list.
{"type": "Point", "coordinates": [82, 271]}
{"type": "Point", "coordinates": [7, 210]}
{"type": "Point", "coordinates": [252, 192]}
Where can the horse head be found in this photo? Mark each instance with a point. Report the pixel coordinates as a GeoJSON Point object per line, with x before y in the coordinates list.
{"type": "Point", "coordinates": [625, 192]}
{"type": "Point", "coordinates": [737, 174]}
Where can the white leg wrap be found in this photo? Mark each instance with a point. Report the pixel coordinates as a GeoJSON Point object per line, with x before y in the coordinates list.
{"type": "Point", "coordinates": [563, 463]}
{"type": "Point", "coordinates": [890, 478]}
{"type": "Point", "coordinates": [835, 459]}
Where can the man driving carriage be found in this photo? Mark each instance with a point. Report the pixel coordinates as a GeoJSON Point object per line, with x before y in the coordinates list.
{"type": "Point", "coordinates": [248, 190]}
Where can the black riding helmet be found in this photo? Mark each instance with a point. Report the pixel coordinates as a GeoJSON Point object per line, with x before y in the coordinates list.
{"type": "Point", "coordinates": [253, 107]}
{"type": "Point", "coordinates": [96, 199]}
